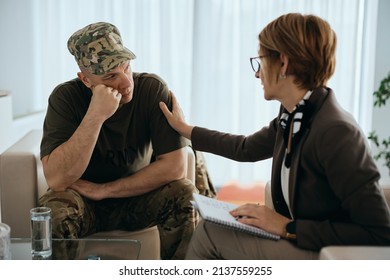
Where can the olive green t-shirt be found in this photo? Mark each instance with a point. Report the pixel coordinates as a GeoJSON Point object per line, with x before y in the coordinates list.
{"type": "Point", "coordinates": [128, 141]}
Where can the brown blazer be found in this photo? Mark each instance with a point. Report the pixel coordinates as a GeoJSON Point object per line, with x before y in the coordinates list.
{"type": "Point", "coordinates": [334, 193]}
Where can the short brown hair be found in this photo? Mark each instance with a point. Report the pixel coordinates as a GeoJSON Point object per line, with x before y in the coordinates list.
{"type": "Point", "coordinates": [309, 43]}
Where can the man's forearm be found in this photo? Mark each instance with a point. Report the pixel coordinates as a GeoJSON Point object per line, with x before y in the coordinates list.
{"type": "Point", "coordinates": [161, 172]}
{"type": "Point", "coordinates": [64, 165]}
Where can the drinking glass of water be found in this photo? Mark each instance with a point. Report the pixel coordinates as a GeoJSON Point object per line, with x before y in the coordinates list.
{"type": "Point", "coordinates": [5, 242]}
{"type": "Point", "coordinates": [41, 247]}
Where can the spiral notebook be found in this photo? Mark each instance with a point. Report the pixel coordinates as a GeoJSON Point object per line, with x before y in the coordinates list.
{"type": "Point", "coordinates": [217, 211]}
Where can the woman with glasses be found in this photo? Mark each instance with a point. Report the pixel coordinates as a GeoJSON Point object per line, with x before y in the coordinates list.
{"type": "Point", "coordinates": [324, 180]}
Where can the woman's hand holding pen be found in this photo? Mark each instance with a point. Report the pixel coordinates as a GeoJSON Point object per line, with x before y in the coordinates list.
{"type": "Point", "coordinates": [262, 217]}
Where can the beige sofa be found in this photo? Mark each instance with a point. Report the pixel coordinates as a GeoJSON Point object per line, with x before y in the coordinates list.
{"type": "Point", "coordinates": [346, 252]}
{"type": "Point", "coordinates": [22, 182]}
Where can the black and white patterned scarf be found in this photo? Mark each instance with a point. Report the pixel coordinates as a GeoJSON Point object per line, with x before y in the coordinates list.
{"type": "Point", "coordinates": [297, 121]}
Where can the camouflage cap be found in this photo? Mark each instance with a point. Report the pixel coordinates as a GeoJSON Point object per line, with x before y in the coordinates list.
{"type": "Point", "coordinates": [98, 48]}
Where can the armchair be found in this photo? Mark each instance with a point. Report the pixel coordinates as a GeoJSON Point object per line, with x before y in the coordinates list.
{"type": "Point", "coordinates": [22, 182]}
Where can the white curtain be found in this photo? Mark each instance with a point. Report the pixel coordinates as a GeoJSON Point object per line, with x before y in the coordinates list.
{"type": "Point", "coordinates": [226, 96]}
{"type": "Point", "coordinates": [200, 47]}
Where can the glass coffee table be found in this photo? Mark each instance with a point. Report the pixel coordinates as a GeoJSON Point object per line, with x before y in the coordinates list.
{"type": "Point", "coordinates": [80, 249]}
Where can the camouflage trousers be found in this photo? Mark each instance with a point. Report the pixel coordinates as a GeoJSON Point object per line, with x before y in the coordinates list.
{"type": "Point", "coordinates": [168, 207]}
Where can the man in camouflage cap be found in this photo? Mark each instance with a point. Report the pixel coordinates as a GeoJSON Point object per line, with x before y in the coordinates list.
{"type": "Point", "coordinates": [109, 156]}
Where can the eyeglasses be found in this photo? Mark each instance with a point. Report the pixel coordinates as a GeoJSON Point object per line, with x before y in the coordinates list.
{"type": "Point", "coordinates": [256, 62]}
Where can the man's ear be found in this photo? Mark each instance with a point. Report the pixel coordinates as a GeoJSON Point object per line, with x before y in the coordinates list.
{"type": "Point", "coordinates": [84, 79]}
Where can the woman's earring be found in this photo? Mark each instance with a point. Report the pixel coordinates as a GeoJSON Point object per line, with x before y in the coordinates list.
{"type": "Point", "coordinates": [282, 76]}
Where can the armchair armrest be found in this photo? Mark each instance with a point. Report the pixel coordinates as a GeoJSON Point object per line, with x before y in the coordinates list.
{"type": "Point", "coordinates": [191, 164]}
{"type": "Point", "coordinates": [21, 170]}
{"type": "Point", "coordinates": [267, 196]}
{"type": "Point", "coordinates": [355, 253]}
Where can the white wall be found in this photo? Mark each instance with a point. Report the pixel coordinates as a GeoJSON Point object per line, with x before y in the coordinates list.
{"type": "Point", "coordinates": [381, 116]}
{"type": "Point", "coordinates": [6, 120]}
{"type": "Point", "coordinates": [17, 43]}
{"type": "Point", "coordinates": [14, 129]}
